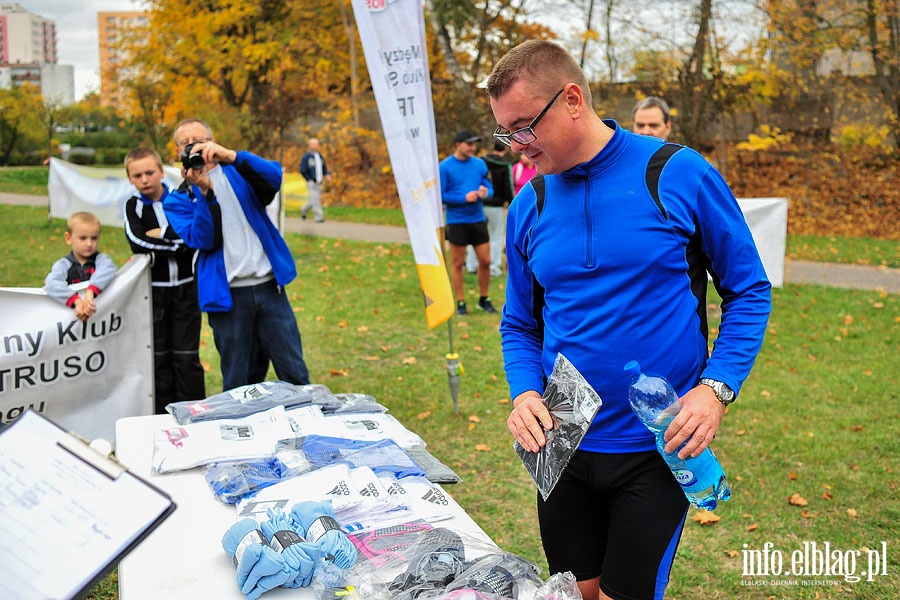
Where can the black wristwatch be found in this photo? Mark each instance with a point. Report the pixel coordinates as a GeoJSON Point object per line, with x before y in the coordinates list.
{"type": "Point", "coordinates": [724, 393]}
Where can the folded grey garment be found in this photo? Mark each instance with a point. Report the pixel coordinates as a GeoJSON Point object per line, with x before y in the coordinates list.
{"type": "Point", "coordinates": [435, 470]}
{"type": "Point", "coordinates": [249, 399]}
{"type": "Point", "coordinates": [488, 575]}
{"type": "Point", "coordinates": [355, 403]}
{"type": "Point", "coordinates": [434, 561]}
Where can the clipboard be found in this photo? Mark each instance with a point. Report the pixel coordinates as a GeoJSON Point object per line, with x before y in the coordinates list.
{"type": "Point", "coordinates": [68, 513]}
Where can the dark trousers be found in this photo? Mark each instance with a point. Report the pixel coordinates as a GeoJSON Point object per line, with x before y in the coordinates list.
{"type": "Point", "coordinates": [176, 343]}
{"type": "Point", "coordinates": [260, 325]}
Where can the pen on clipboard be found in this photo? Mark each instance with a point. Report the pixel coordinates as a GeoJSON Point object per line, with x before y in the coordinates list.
{"type": "Point", "coordinates": [98, 453]}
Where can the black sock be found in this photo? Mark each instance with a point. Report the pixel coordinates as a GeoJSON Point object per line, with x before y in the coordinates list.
{"type": "Point", "coordinates": [482, 300]}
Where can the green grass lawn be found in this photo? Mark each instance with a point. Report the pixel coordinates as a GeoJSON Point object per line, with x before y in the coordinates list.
{"type": "Point", "coordinates": [848, 250]}
{"type": "Point", "coordinates": [817, 418]}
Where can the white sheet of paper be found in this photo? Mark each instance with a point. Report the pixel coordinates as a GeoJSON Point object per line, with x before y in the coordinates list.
{"type": "Point", "coordinates": [61, 519]}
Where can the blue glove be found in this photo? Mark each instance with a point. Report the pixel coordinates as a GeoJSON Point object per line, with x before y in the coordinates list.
{"type": "Point", "coordinates": [261, 569]}
{"type": "Point", "coordinates": [299, 555]}
{"type": "Point", "coordinates": [322, 529]}
{"type": "Point", "coordinates": [238, 532]}
{"type": "Point", "coordinates": [301, 558]}
{"type": "Point", "coordinates": [280, 521]}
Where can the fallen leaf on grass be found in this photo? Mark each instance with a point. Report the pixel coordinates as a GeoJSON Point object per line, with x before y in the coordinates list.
{"type": "Point", "coordinates": [362, 329]}
{"type": "Point", "coordinates": [827, 496]}
{"type": "Point", "coordinates": [477, 348]}
{"type": "Point", "coordinates": [792, 476]}
{"type": "Point", "coordinates": [424, 415]}
{"type": "Point", "coordinates": [503, 401]}
{"type": "Point", "coordinates": [409, 360]}
{"type": "Point", "coordinates": [482, 447]}
{"type": "Point", "coordinates": [806, 514]}
{"type": "Point", "coordinates": [797, 500]}
{"type": "Point", "coordinates": [732, 553]}
{"type": "Point", "coordinates": [706, 517]}
{"type": "Point", "coordinates": [205, 366]}
{"type": "Point", "coordinates": [752, 527]}
{"type": "Point", "coordinates": [471, 426]}
{"type": "Point", "coordinates": [385, 348]}
{"type": "Point", "coordinates": [852, 513]}
{"type": "Point", "coordinates": [339, 372]}
{"type": "Point", "coordinates": [373, 358]}
{"type": "Point", "coordinates": [474, 419]}
{"type": "Point", "coordinates": [343, 323]}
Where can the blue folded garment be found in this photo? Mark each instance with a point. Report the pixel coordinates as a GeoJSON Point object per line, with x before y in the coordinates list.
{"type": "Point", "coordinates": [322, 529]}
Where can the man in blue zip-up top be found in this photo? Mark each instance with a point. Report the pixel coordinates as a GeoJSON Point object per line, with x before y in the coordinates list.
{"type": "Point", "coordinates": [178, 374]}
{"type": "Point", "coordinates": [609, 265]}
{"type": "Point", "coordinates": [244, 263]}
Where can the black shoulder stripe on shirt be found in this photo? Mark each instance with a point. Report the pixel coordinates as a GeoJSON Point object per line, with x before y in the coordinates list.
{"type": "Point", "coordinates": [654, 169]}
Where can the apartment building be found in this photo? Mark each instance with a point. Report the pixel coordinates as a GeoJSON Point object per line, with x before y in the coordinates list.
{"type": "Point", "coordinates": [112, 26]}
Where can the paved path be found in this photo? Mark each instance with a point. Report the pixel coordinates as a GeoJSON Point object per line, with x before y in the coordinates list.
{"type": "Point", "coordinates": [796, 271]}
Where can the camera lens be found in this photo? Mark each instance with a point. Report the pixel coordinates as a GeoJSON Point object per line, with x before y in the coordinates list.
{"type": "Point", "coordinates": [195, 161]}
{"type": "Point", "coordinates": [191, 159]}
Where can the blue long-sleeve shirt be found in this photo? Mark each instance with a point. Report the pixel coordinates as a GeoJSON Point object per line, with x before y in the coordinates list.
{"type": "Point", "coordinates": [621, 281]}
{"type": "Point", "coordinates": [458, 178]}
{"type": "Point", "coordinates": [198, 221]}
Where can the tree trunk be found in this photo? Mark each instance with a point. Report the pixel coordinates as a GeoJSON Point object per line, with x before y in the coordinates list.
{"type": "Point", "coordinates": [887, 70]}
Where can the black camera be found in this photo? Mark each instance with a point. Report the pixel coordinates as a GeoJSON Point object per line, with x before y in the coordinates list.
{"type": "Point", "coordinates": [191, 159]}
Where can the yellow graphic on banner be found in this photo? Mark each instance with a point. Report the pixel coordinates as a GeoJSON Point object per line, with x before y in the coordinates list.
{"type": "Point", "coordinates": [438, 293]}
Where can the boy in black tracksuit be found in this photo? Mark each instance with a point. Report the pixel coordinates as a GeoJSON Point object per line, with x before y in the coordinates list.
{"type": "Point", "coordinates": [176, 312]}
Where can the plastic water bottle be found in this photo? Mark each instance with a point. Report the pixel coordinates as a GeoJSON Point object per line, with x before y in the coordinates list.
{"type": "Point", "coordinates": [655, 403]}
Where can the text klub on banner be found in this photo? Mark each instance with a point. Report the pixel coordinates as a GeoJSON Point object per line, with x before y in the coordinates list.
{"type": "Point", "coordinates": [393, 40]}
{"type": "Point", "coordinates": [82, 375]}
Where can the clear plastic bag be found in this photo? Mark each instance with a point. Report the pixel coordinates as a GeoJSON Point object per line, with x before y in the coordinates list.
{"type": "Point", "coordinates": [572, 403]}
{"type": "Point", "coordinates": [353, 403]}
{"type": "Point", "coordinates": [443, 563]}
{"type": "Point", "coordinates": [249, 399]}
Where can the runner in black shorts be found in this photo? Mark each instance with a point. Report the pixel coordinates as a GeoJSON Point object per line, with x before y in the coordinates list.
{"type": "Point", "coordinates": [597, 504]}
{"type": "Point", "coordinates": [468, 234]}
{"type": "Point", "coordinates": [465, 183]}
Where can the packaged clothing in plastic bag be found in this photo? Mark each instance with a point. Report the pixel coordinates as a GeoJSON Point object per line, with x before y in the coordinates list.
{"type": "Point", "coordinates": [249, 438]}
{"type": "Point", "coordinates": [572, 403]}
{"type": "Point", "coordinates": [234, 481]}
{"type": "Point", "coordinates": [444, 563]}
{"type": "Point", "coordinates": [249, 399]}
{"type": "Point", "coordinates": [381, 455]}
{"type": "Point", "coordinates": [416, 499]}
{"type": "Point", "coordinates": [352, 403]}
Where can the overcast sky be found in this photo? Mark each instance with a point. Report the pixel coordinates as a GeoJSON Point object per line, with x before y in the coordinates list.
{"type": "Point", "coordinates": [76, 34]}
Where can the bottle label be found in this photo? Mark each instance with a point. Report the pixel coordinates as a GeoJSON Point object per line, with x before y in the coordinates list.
{"type": "Point", "coordinates": [685, 477]}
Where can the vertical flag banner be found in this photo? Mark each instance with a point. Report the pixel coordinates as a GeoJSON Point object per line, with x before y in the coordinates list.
{"type": "Point", "coordinates": [393, 40]}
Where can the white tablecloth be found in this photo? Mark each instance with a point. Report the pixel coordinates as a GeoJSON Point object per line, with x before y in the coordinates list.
{"type": "Point", "coordinates": [184, 557]}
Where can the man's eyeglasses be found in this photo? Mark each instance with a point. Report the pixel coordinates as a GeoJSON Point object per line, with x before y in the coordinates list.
{"type": "Point", "coordinates": [525, 135]}
{"type": "Point", "coordinates": [184, 143]}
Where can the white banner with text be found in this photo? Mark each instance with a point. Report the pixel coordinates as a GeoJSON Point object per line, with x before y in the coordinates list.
{"type": "Point", "coordinates": [84, 375]}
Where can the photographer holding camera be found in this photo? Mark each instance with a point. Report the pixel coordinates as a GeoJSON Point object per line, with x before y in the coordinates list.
{"type": "Point", "coordinates": [243, 263]}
